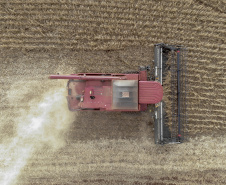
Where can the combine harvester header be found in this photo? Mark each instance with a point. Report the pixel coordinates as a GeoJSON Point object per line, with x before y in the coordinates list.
{"type": "Point", "coordinates": [170, 61]}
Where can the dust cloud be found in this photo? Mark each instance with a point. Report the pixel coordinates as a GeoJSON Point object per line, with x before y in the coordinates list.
{"type": "Point", "coordinates": [42, 122]}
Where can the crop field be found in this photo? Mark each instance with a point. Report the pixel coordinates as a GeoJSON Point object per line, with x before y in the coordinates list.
{"type": "Point", "coordinates": [41, 142]}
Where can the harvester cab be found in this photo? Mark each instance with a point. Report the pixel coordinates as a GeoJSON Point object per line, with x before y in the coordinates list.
{"type": "Point", "coordinates": [134, 92]}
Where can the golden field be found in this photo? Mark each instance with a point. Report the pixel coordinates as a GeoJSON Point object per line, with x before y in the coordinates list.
{"type": "Point", "coordinates": [41, 142]}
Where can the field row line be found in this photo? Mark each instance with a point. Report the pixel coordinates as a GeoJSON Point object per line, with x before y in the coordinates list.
{"type": "Point", "coordinates": [208, 116]}
{"type": "Point", "coordinates": [210, 84]}
{"type": "Point", "coordinates": [191, 52]}
{"type": "Point", "coordinates": [203, 123]}
{"type": "Point", "coordinates": [119, 17]}
{"type": "Point", "coordinates": [203, 116]}
{"type": "Point", "coordinates": [210, 105]}
{"type": "Point", "coordinates": [125, 33]}
{"type": "Point", "coordinates": [204, 100]}
{"type": "Point", "coordinates": [139, 29]}
{"type": "Point", "coordinates": [104, 36]}
{"type": "Point", "coordinates": [206, 69]}
{"type": "Point", "coordinates": [125, 12]}
{"type": "Point", "coordinates": [119, 45]}
{"type": "Point", "coordinates": [201, 96]}
{"type": "Point", "coordinates": [106, 46]}
{"type": "Point", "coordinates": [196, 56]}
{"type": "Point", "coordinates": [204, 111]}
{"type": "Point", "coordinates": [209, 65]}
{"type": "Point", "coordinates": [206, 91]}
{"type": "Point", "coordinates": [202, 79]}
{"type": "Point", "coordinates": [118, 20]}
{"type": "Point", "coordinates": [205, 63]}
{"type": "Point", "coordinates": [210, 97]}
{"type": "Point", "coordinates": [213, 127]}
{"type": "Point", "coordinates": [90, 44]}
{"type": "Point", "coordinates": [206, 78]}
{"type": "Point", "coordinates": [123, 6]}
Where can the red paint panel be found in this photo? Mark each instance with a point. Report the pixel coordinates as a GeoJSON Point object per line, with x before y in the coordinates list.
{"type": "Point", "coordinates": [102, 98]}
{"type": "Point", "coordinates": [150, 92]}
{"type": "Point", "coordinates": [143, 75]}
{"type": "Point", "coordinates": [132, 76]}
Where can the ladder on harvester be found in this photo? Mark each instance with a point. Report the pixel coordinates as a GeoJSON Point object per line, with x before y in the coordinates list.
{"type": "Point", "coordinates": [171, 130]}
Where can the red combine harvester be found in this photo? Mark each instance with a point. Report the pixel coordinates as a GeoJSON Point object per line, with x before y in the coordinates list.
{"type": "Point", "coordinates": [134, 92]}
